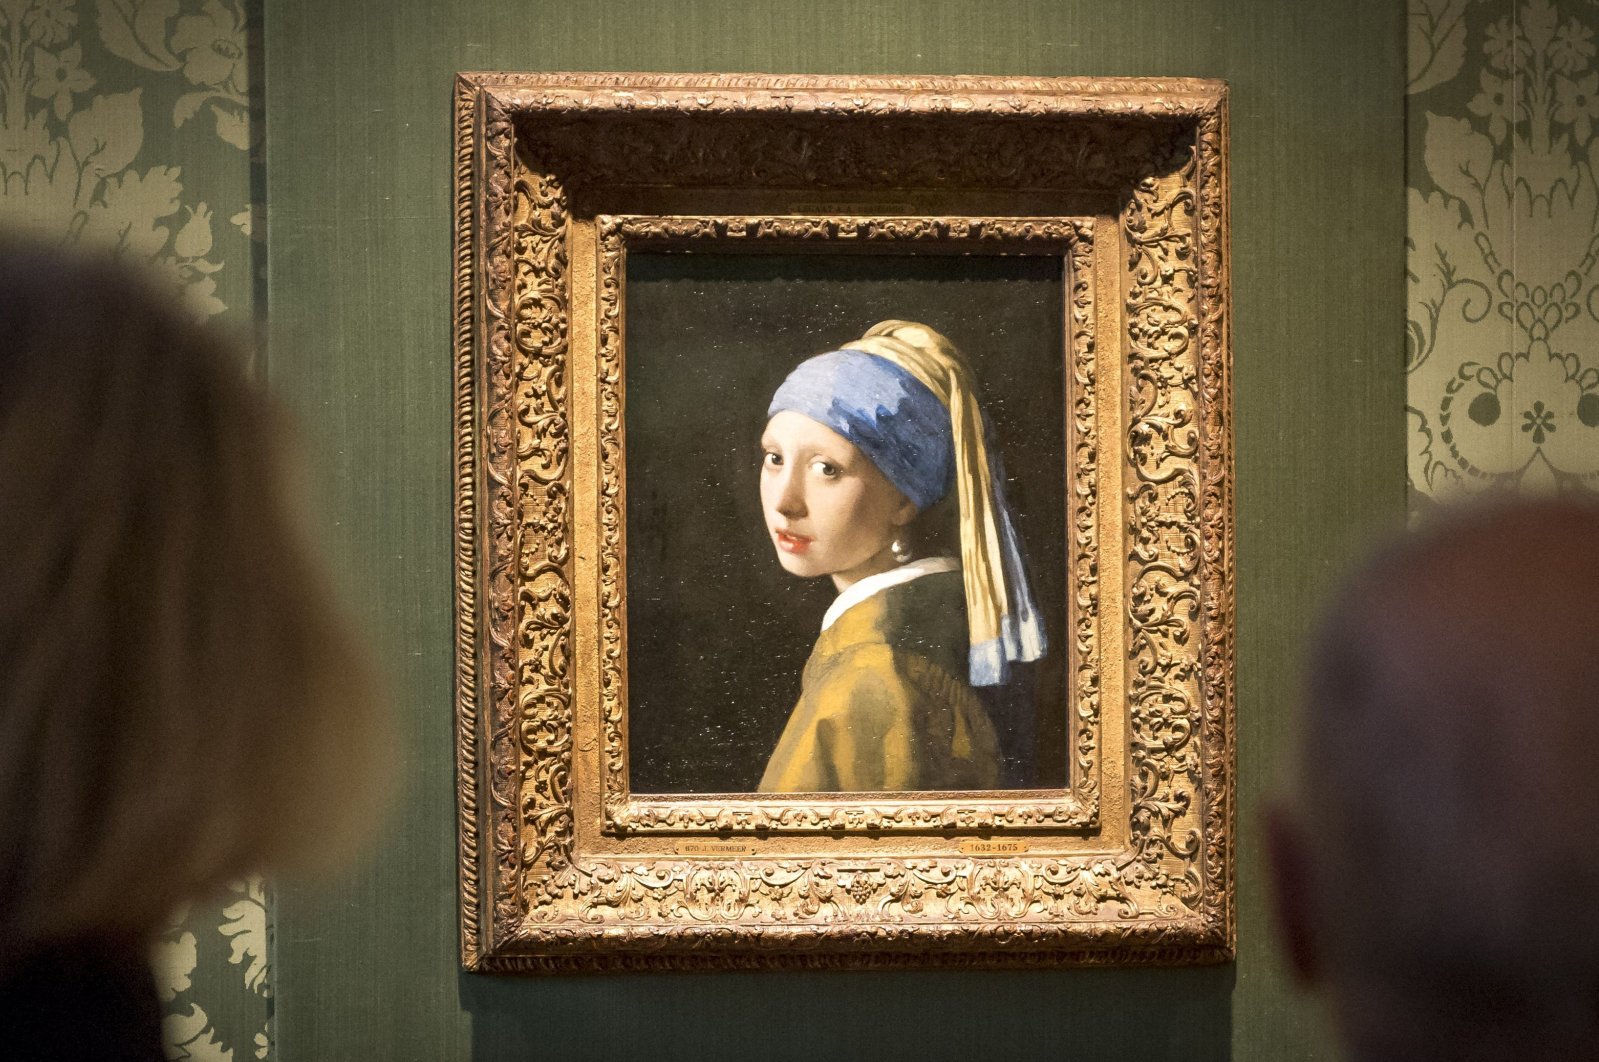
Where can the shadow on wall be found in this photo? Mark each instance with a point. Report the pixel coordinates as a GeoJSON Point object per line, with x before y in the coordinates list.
{"type": "Point", "coordinates": [1148, 1014]}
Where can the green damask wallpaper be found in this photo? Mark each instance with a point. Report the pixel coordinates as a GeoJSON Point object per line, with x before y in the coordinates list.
{"type": "Point", "coordinates": [131, 125]}
{"type": "Point", "coordinates": [1503, 325]}
{"type": "Point", "coordinates": [126, 123]}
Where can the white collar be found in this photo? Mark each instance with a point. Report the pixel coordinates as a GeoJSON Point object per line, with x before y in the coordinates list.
{"type": "Point", "coordinates": [857, 592]}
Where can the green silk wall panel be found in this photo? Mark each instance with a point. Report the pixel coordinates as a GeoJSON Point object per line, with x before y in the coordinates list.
{"type": "Point", "coordinates": [359, 170]}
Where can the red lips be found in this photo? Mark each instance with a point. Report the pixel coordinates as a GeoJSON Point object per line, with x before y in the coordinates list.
{"type": "Point", "coordinates": [791, 543]}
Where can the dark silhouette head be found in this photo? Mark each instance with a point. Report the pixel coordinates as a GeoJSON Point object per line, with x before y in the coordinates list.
{"type": "Point", "coordinates": [1436, 866]}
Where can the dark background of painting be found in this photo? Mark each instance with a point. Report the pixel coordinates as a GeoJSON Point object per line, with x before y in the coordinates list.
{"type": "Point", "coordinates": [717, 632]}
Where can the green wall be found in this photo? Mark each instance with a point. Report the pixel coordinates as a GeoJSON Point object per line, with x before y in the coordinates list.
{"type": "Point", "coordinates": [359, 228]}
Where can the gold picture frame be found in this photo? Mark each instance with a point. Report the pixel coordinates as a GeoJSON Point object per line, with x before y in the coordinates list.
{"type": "Point", "coordinates": [558, 178]}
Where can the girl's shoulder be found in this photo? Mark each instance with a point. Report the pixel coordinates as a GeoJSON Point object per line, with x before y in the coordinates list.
{"type": "Point", "coordinates": [925, 617]}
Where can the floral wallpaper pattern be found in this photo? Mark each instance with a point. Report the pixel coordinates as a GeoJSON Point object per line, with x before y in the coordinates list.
{"type": "Point", "coordinates": [129, 125]}
{"type": "Point", "coordinates": [100, 141]}
{"type": "Point", "coordinates": [1503, 331]}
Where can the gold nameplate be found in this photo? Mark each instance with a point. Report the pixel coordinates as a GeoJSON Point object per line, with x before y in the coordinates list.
{"type": "Point", "coordinates": [715, 848]}
{"type": "Point", "coordinates": [994, 848]}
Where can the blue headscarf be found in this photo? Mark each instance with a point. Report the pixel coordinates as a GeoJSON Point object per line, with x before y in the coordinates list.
{"type": "Point", "coordinates": [888, 414]}
{"type": "Point", "coordinates": [884, 402]}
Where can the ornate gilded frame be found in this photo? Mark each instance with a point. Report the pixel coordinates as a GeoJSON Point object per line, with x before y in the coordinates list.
{"type": "Point", "coordinates": [561, 867]}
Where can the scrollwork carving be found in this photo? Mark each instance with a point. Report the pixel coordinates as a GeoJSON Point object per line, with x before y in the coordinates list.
{"type": "Point", "coordinates": [936, 234]}
{"type": "Point", "coordinates": [742, 814]}
{"type": "Point", "coordinates": [1070, 238]}
{"type": "Point", "coordinates": [613, 569]}
{"type": "Point", "coordinates": [536, 152]}
{"type": "Point", "coordinates": [499, 469]}
{"type": "Point", "coordinates": [820, 900]}
{"type": "Point", "coordinates": [1163, 526]}
{"type": "Point", "coordinates": [543, 724]}
{"type": "Point", "coordinates": [1216, 529]}
{"type": "Point", "coordinates": [1083, 399]}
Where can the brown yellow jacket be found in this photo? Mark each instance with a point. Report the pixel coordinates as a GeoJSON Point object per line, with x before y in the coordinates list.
{"type": "Point", "coordinates": [884, 704]}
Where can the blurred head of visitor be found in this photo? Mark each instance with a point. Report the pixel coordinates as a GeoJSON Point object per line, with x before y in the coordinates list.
{"type": "Point", "coordinates": [182, 700]}
{"type": "Point", "coordinates": [1435, 863]}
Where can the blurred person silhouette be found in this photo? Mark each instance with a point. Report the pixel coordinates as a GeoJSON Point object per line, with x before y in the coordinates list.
{"type": "Point", "coordinates": [181, 699]}
{"type": "Point", "coordinates": [1435, 867]}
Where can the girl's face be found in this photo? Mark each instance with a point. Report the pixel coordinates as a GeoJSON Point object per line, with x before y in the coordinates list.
{"type": "Point", "coordinates": [828, 508]}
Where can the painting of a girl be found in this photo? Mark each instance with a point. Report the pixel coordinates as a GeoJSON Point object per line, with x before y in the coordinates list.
{"type": "Point", "coordinates": [879, 472]}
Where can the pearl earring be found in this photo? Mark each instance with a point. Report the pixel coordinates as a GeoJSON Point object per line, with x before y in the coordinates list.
{"type": "Point", "coordinates": [901, 551]}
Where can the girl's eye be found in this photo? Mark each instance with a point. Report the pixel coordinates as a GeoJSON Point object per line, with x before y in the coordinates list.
{"type": "Point", "coordinates": [772, 458]}
{"type": "Point", "coordinates": [826, 468]}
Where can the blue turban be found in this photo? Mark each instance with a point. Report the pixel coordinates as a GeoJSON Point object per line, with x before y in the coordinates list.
{"type": "Point", "coordinates": [904, 397]}
{"type": "Point", "coordinates": [888, 414]}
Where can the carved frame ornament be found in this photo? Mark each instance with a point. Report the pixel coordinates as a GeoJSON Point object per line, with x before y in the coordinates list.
{"type": "Point", "coordinates": [561, 866]}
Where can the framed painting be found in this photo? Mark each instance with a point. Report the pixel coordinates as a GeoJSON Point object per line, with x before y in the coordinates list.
{"type": "Point", "coordinates": [843, 521]}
